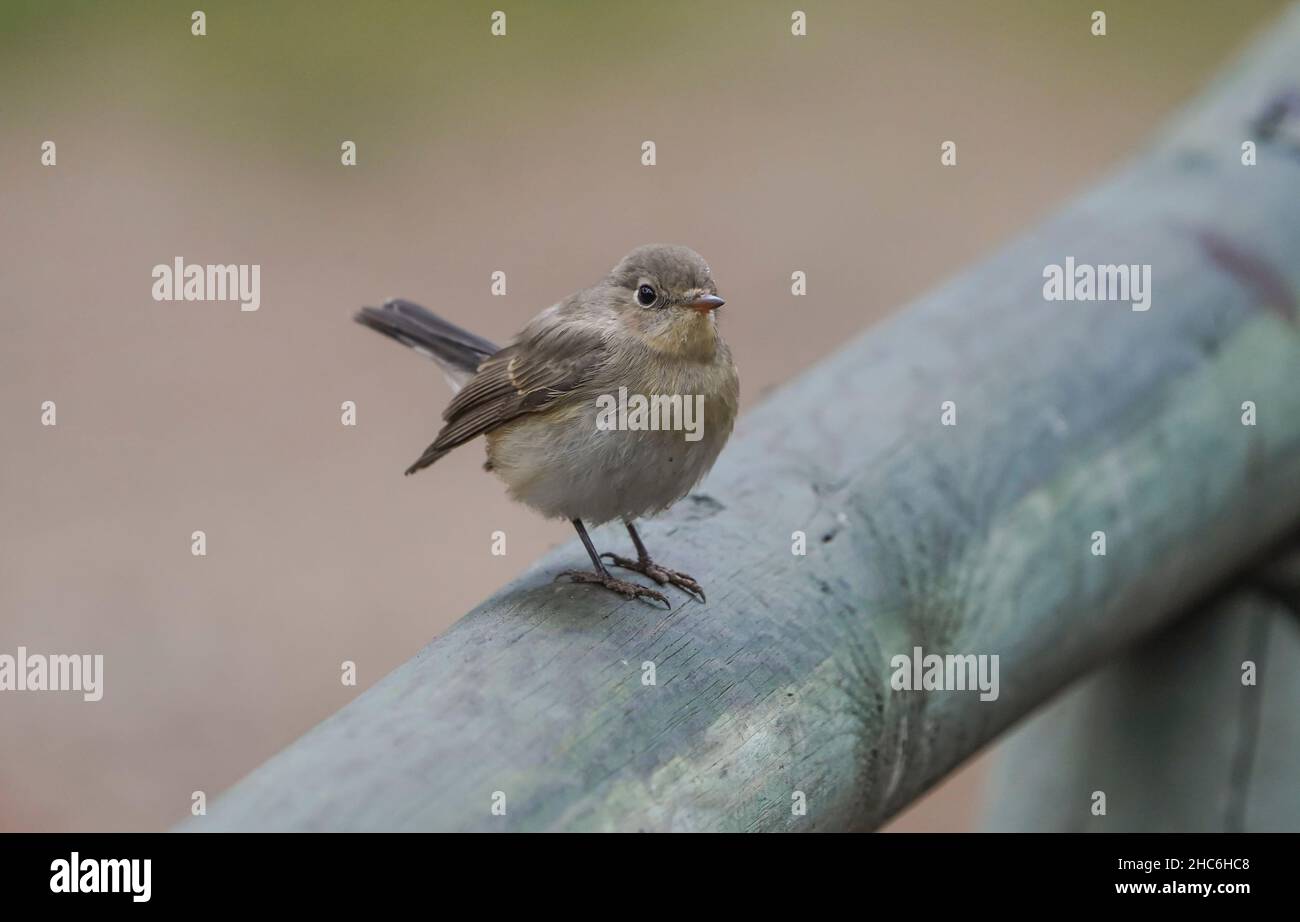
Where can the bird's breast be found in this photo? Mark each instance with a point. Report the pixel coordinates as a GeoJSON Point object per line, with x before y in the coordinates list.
{"type": "Point", "coordinates": [618, 450]}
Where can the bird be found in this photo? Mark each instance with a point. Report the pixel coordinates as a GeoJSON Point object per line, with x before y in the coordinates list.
{"type": "Point", "coordinates": [544, 402]}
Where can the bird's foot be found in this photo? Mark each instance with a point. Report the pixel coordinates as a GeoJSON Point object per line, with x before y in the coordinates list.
{"type": "Point", "coordinates": [660, 575]}
{"type": "Point", "coordinates": [621, 586]}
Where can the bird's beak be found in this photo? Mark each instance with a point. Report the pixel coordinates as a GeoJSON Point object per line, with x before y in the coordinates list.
{"type": "Point", "coordinates": [705, 303]}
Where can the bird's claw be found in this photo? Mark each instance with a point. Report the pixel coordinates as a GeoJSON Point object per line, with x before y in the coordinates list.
{"type": "Point", "coordinates": [623, 587]}
{"type": "Point", "coordinates": [660, 575]}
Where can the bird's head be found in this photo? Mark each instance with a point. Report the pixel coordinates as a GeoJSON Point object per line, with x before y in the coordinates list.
{"type": "Point", "coordinates": [666, 294]}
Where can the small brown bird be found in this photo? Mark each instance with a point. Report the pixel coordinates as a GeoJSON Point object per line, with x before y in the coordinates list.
{"type": "Point", "coordinates": [574, 407]}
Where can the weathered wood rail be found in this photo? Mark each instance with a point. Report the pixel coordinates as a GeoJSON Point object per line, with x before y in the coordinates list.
{"type": "Point", "coordinates": [1176, 733]}
{"type": "Point", "coordinates": [1072, 418]}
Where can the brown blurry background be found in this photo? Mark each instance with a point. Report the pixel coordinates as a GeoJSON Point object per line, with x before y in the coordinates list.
{"type": "Point", "coordinates": [475, 154]}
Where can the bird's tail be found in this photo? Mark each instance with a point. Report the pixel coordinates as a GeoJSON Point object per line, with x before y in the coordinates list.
{"type": "Point", "coordinates": [457, 352]}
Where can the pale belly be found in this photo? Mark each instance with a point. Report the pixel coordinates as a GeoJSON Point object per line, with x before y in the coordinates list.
{"type": "Point", "coordinates": [566, 467]}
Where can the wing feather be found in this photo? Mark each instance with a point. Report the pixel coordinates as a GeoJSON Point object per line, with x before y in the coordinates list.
{"type": "Point", "coordinates": [527, 376]}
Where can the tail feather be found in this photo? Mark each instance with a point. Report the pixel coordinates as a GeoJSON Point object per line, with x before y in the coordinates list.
{"type": "Point", "coordinates": [458, 352]}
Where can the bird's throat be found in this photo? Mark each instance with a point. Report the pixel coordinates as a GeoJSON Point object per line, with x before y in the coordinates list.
{"type": "Point", "coordinates": [692, 335]}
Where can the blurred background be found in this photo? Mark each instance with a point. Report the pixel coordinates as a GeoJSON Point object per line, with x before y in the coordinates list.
{"type": "Point", "coordinates": [474, 154]}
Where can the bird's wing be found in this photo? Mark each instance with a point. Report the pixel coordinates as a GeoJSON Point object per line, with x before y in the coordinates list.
{"type": "Point", "coordinates": [527, 376]}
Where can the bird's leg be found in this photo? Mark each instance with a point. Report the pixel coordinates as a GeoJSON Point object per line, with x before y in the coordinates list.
{"type": "Point", "coordinates": [660, 574]}
{"type": "Point", "coordinates": [602, 577]}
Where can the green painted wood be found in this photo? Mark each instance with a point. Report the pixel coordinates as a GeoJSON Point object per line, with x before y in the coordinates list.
{"type": "Point", "coordinates": [1072, 417]}
{"type": "Point", "coordinates": [1169, 733]}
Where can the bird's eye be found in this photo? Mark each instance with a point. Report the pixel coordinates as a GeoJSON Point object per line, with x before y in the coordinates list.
{"type": "Point", "coordinates": [645, 296]}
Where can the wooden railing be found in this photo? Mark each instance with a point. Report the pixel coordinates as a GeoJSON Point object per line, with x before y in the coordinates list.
{"type": "Point", "coordinates": [771, 706]}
